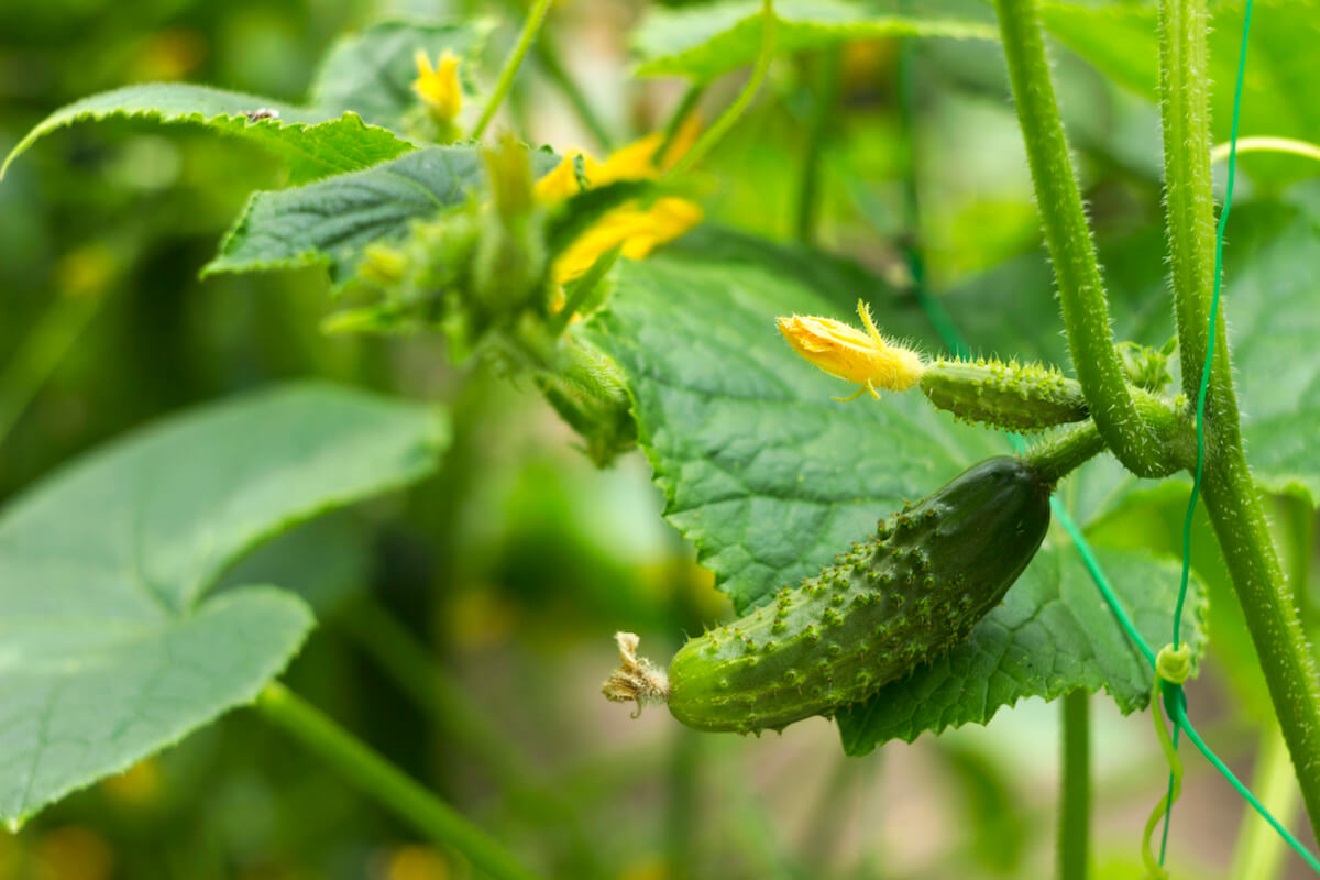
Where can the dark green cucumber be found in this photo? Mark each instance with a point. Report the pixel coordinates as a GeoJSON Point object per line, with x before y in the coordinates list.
{"type": "Point", "coordinates": [919, 586]}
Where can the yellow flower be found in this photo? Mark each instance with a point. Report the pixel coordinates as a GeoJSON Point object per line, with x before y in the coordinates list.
{"type": "Point", "coordinates": [864, 357]}
{"type": "Point", "coordinates": [438, 86]}
{"type": "Point", "coordinates": [635, 230]}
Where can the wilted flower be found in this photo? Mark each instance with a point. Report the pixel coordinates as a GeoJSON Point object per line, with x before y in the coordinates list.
{"type": "Point", "coordinates": [864, 357]}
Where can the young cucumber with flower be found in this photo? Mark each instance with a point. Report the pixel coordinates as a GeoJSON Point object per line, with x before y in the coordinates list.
{"type": "Point", "coordinates": [916, 587]}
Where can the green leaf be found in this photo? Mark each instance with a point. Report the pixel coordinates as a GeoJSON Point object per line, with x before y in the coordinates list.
{"type": "Point", "coordinates": [769, 477]}
{"type": "Point", "coordinates": [764, 471]}
{"type": "Point", "coordinates": [313, 143]}
{"type": "Point", "coordinates": [372, 73]}
{"type": "Point", "coordinates": [707, 40]}
{"type": "Point", "coordinates": [1121, 40]}
{"type": "Point", "coordinates": [108, 648]}
{"type": "Point", "coordinates": [1052, 634]}
{"type": "Point", "coordinates": [329, 222]}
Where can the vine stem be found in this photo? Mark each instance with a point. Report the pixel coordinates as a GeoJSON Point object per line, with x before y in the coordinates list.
{"type": "Point", "coordinates": [716, 132]}
{"type": "Point", "coordinates": [1068, 237]}
{"type": "Point", "coordinates": [1075, 802]}
{"type": "Point", "coordinates": [502, 85]}
{"type": "Point", "coordinates": [383, 781]}
{"type": "Point", "coordinates": [824, 97]}
{"type": "Point", "coordinates": [1230, 493]}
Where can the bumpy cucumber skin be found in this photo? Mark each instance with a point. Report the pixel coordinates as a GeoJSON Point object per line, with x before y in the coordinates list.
{"type": "Point", "coordinates": [919, 586]}
{"type": "Point", "coordinates": [1021, 397]}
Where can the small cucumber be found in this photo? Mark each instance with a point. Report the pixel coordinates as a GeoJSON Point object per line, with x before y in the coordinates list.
{"type": "Point", "coordinates": [1020, 397]}
{"type": "Point", "coordinates": [908, 594]}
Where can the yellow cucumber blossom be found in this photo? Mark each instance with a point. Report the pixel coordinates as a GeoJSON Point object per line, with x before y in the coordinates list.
{"type": "Point", "coordinates": [864, 357]}
{"type": "Point", "coordinates": [635, 228]}
{"type": "Point", "coordinates": [438, 87]}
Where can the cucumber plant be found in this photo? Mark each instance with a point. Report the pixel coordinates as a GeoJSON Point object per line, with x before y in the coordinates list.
{"type": "Point", "coordinates": [614, 285]}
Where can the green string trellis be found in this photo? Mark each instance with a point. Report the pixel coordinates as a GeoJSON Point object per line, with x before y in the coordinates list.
{"type": "Point", "coordinates": [1167, 683]}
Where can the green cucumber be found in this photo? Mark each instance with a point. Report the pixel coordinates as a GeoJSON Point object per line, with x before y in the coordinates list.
{"type": "Point", "coordinates": [904, 597]}
{"type": "Point", "coordinates": [1020, 397]}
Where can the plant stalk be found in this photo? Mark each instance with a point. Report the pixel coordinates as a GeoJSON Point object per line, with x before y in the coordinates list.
{"type": "Point", "coordinates": [1075, 800]}
{"type": "Point", "coordinates": [1271, 614]}
{"type": "Point", "coordinates": [823, 100]}
{"type": "Point", "coordinates": [379, 779]}
{"type": "Point", "coordinates": [731, 115]}
{"type": "Point", "coordinates": [1068, 237]}
{"type": "Point", "coordinates": [1061, 454]}
{"type": "Point", "coordinates": [1230, 493]}
{"type": "Point", "coordinates": [505, 82]}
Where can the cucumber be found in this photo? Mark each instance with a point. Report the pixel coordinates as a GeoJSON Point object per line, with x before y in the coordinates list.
{"type": "Point", "coordinates": [1020, 397]}
{"type": "Point", "coordinates": [895, 601]}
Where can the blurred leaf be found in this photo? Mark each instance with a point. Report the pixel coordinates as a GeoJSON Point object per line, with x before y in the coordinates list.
{"type": "Point", "coordinates": [323, 561]}
{"type": "Point", "coordinates": [705, 41]}
{"type": "Point", "coordinates": [770, 478]}
{"type": "Point", "coordinates": [329, 222]}
{"type": "Point", "coordinates": [110, 652]}
{"type": "Point", "coordinates": [313, 143]}
{"type": "Point", "coordinates": [1052, 634]}
{"type": "Point", "coordinates": [372, 73]}
{"type": "Point", "coordinates": [1121, 39]}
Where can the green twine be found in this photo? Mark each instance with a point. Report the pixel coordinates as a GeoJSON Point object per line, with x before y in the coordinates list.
{"type": "Point", "coordinates": [1175, 665]}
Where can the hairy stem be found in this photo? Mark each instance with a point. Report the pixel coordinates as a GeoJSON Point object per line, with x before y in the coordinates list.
{"type": "Point", "coordinates": [1075, 800]}
{"type": "Point", "coordinates": [1230, 493]}
{"type": "Point", "coordinates": [1068, 237]}
{"type": "Point", "coordinates": [502, 85]}
{"type": "Point", "coordinates": [381, 780]}
{"type": "Point", "coordinates": [1189, 205]}
{"type": "Point", "coordinates": [1061, 454]}
{"type": "Point", "coordinates": [1271, 615]}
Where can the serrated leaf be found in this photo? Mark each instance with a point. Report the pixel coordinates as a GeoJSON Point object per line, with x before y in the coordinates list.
{"type": "Point", "coordinates": [1052, 634]}
{"type": "Point", "coordinates": [312, 142]}
{"type": "Point", "coordinates": [764, 471]}
{"type": "Point", "coordinates": [372, 73]}
{"type": "Point", "coordinates": [707, 40]}
{"type": "Point", "coordinates": [770, 478]}
{"type": "Point", "coordinates": [108, 649]}
{"type": "Point", "coordinates": [1121, 40]}
{"type": "Point", "coordinates": [329, 222]}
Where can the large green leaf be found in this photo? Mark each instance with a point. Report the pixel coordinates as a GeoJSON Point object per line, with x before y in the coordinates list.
{"type": "Point", "coordinates": [357, 115]}
{"type": "Point", "coordinates": [706, 40]}
{"type": "Point", "coordinates": [108, 649]}
{"type": "Point", "coordinates": [372, 73]}
{"type": "Point", "coordinates": [1053, 634]}
{"type": "Point", "coordinates": [329, 222]}
{"type": "Point", "coordinates": [1121, 39]}
{"type": "Point", "coordinates": [770, 478]}
{"type": "Point", "coordinates": [312, 142]}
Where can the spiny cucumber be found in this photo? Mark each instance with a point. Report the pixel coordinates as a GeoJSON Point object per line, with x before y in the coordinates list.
{"type": "Point", "coordinates": [930, 573]}
{"type": "Point", "coordinates": [1022, 397]}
